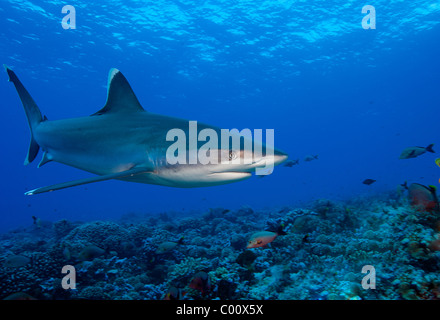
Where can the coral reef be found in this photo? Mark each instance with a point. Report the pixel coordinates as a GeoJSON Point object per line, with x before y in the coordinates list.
{"type": "Point", "coordinates": [321, 257]}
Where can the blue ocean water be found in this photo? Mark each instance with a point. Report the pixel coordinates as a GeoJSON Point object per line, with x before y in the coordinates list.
{"type": "Point", "coordinates": [310, 71]}
{"type": "Point", "coordinates": [307, 69]}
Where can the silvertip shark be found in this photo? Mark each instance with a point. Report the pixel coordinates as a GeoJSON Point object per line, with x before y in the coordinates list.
{"type": "Point", "coordinates": [123, 141]}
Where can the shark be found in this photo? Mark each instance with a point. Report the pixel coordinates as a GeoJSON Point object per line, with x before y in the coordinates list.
{"type": "Point", "coordinates": [123, 141]}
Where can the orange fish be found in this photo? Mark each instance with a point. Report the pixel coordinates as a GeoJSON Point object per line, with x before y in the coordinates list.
{"type": "Point", "coordinates": [201, 282]}
{"type": "Point", "coordinates": [262, 238]}
{"type": "Point", "coordinates": [423, 197]}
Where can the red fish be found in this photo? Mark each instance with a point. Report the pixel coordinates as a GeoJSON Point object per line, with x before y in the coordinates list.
{"type": "Point", "coordinates": [435, 245]}
{"type": "Point", "coordinates": [201, 282]}
{"type": "Point", "coordinates": [262, 238]}
{"type": "Point", "coordinates": [423, 197]}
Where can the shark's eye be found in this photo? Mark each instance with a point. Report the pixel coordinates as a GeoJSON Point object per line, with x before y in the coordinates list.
{"type": "Point", "coordinates": [232, 155]}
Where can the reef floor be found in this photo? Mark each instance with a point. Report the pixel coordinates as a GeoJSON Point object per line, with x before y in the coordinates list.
{"type": "Point", "coordinates": [365, 248]}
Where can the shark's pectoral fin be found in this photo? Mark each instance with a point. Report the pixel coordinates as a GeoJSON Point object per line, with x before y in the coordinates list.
{"type": "Point", "coordinates": [79, 182]}
{"type": "Point", "coordinates": [32, 152]}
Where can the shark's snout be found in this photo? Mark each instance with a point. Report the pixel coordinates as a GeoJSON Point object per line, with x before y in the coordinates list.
{"type": "Point", "coordinates": [271, 160]}
{"type": "Point", "coordinates": [279, 157]}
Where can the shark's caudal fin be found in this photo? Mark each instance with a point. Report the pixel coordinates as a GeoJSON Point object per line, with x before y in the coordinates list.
{"type": "Point", "coordinates": [118, 175]}
{"type": "Point", "coordinates": [32, 111]}
{"type": "Point", "coordinates": [120, 96]}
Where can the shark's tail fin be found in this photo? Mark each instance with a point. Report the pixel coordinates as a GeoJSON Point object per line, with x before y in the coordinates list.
{"type": "Point", "coordinates": [32, 111]}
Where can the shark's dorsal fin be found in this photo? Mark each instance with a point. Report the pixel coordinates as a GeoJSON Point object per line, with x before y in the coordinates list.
{"type": "Point", "coordinates": [120, 96]}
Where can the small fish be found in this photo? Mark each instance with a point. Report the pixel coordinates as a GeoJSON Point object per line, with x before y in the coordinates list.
{"type": "Point", "coordinates": [174, 294]}
{"type": "Point", "coordinates": [66, 253]}
{"type": "Point", "coordinates": [423, 197]}
{"type": "Point", "coordinates": [311, 157]}
{"type": "Point", "coordinates": [368, 181]}
{"type": "Point", "coordinates": [37, 222]}
{"type": "Point", "coordinates": [413, 152]}
{"type": "Point", "coordinates": [437, 162]}
{"type": "Point", "coordinates": [262, 238]}
{"type": "Point", "coordinates": [90, 252]}
{"type": "Point", "coordinates": [306, 238]}
{"type": "Point", "coordinates": [434, 245]}
{"type": "Point", "coordinates": [168, 246]}
{"type": "Point", "coordinates": [201, 282]}
{"type": "Point", "coordinates": [291, 163]}
{"type": "Point", "coordinates": [17, 261]}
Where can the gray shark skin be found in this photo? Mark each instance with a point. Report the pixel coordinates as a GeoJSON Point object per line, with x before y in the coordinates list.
{"type": "Point", "coordinates": [122, 141]}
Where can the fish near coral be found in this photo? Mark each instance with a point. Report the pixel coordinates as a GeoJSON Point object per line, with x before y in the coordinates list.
{"type": "Point", "coordinates": [413, 152]}
{"type": "Point", "coordinates": [201, 282]}
{"type": "Point", "coordinates": [174, 294]}
{"type": "Point", "coordinates": [16, 261]}
{"type": "Point", "coordinates": [168, 246]}
{"type": "Point", "coordinates": [66, 253]}
{"type": "Point", "coordinates": [423, 197]}
{"type": "Point", "coordinates": [434, 245]}
{"type": "Point", "coordinates": [37, 222]}
{"type": "Point", "coordinates": [262, 238]}
{"type": "Point", "coordinates": [90, 252]}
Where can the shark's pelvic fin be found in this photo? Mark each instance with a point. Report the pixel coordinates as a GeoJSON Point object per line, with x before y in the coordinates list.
{"type": "Point", "coordinates": [79, 182]}
{"type": "Point", "coordinates": [46, 158]}
{"type": "Point", "coordinates": [32, 111]}
{"type": "Point", "coordinates": [120, 96]}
